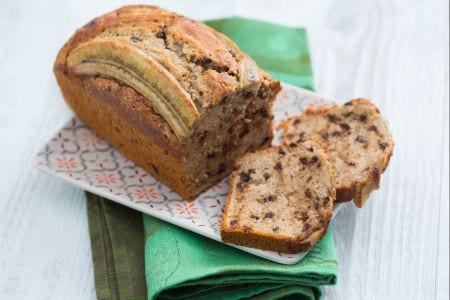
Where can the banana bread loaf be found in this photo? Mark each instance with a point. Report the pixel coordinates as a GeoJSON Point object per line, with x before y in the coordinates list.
{"type": "Point", "coordinates": [175, 96]}
{"type": "Point", "coordinates": [359, 144]}
{"type": "Point", "coordinates": [280, 198]}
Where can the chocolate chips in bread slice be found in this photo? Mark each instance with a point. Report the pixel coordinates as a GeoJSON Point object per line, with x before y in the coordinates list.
{"type": "Point", "coordinates": [359, 144]}
{"type": "Point", "coordinates": [280, 198]}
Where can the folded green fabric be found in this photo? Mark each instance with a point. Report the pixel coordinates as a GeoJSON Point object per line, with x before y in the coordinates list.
{"type": "Point", "coordinates": [180, 264]}
{"type": "Point", "coordinates": [117, 242]}
{"type": "Point", "coordinates": [281, 51]}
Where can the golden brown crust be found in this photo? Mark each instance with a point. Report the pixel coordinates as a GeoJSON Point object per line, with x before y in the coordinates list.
{"type": "Point", "coordinates": [358, 190]}
{"type": "Point", "coordinates": [148, 143]}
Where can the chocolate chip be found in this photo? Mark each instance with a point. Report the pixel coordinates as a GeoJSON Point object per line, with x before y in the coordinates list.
{"type": "Point", "coordinates": [210, 155]}
{"type": "Point", "coordinates": [264, 113]}
{"type": "Point", "coordinates": [325, 136]}
{"type": "Point", "coordinates": [311, 149]}
{"type": "Point", "coordinates": [348, 114]}
{"type": "Point", "coordinates": [233, 222]}
{"type": "Point", "coordinates": [269, 215]}
{"type": "Point", "coordinates": [301, 136]}
{"type": "Point", "coordinates": [304, 216]}
{"type": "Point", "coordinates": [351, 164]}
{"type": "Point", "coordinates": [281, 152]}
{"type": "Point", "coordinates": [266, 176]}
{"type": "Point", "coordinates": [316, 205]}
{"type": "Point", "coordinates": [161, 35]}
{"type": "Point", "coordinates": [303, 161]}
{"type": "Point", "coordinates": [275, 229]}
{"type": "Point", "coordinates": [332, 118]}
{"type": "Point", "coordinates": [336, 133]}
{"type": "Point", "coordinates": [245, 177]}
{"type": "Point", "coordinates": [361, 139]}
{"type": "Point", "coordinates": [362, 118]}
{"type": "Point", "coordinates": [254, 217]}
{"type": "Point", "coordinates": [373, 128]}
{"type": "Point", "coordinates": [202, 136]}
{"type": "Point", "coordinates": [135, 39]}
{"type": "Point", "coordinates": [306, 227]}
{"type": "Point", "coordinates": [348, 103]}
{"type": "Point", "coordinates": [296, 122]}
{"type": "Point", "coordinates": [314, 159]}
{"type": "Point", "coordinates": [308, 194]}
{"type": "Point", "coordinates": [205, 61]}
{"type": "Point", "coordinates": [383, 146]}
{"type": "Point", "coordinates": [266, 140]}
{"type": "Point", "coordinates": [278, 166]}
{"type": "Point", "coordinates": [270, 198]}
{"type": "Point", "coordinates": [248, 95]}
{"type": "Point", "coordinates": [309, 179]}
{"type": "Point", "coordinates": [344, 126]}
{"type": "Point", "coordinates": [221, 168]}
{"type": "Point", "coordinates": [155, 169]}
{"type": "Point", "coordinates": [289, 136]}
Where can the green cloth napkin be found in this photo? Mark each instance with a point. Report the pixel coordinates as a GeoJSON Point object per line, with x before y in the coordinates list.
{"type": "Point", "coordinates": [281, 51]}
{"type": "Point", "coordinates": [117, 243]}
{"type": "Point", "coordinates": [181, 264]}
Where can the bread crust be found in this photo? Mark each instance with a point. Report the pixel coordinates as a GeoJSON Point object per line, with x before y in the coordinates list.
{"type": "Point", "coordinates": [358, 190]}
{"type": "Point", "coordinates": [141, 141]}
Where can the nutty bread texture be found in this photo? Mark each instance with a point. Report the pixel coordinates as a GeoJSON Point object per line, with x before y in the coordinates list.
{"type": "Point", "coordinates": [174, 95]}
{"type": "Point", "coordinates": [358, 143]}
{"type": "Point", "coordinates": [280, 198]}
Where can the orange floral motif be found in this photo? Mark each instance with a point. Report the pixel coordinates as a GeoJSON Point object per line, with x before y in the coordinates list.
{"type": "Point", "coordinates": [106, 178]}
{"type": "Point", "coordinates": [66, 162]}
{"type": "Point", "coordinates": [186, 208]}
{"type": "Point", "coordinates": [146, 193]}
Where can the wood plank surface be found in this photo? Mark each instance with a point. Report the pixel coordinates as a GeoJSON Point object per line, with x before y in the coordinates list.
{"type": "Point", "coordinates": [394, 52]}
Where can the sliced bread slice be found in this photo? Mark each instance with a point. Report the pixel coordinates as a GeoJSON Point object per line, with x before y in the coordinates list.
{"type": "Point", "coordinates": [358, 141]}
{"type": "Point", "coordinates": [280, 198]}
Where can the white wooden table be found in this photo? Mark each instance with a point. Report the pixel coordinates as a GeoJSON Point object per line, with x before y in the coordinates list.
{"type": "Point", "coordinates": [395, 52]}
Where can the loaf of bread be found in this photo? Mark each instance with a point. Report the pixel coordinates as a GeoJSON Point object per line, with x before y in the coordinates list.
{"type": "Point", "coordinates": [280, 198]}
{"type": "Point", "coordinates": [358, 140]}
{"type": "Point", "coordinates": [175, 96]}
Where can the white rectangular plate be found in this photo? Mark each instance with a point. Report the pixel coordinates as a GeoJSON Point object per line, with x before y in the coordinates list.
{"type": "Point", "coordinates": [77, 155]}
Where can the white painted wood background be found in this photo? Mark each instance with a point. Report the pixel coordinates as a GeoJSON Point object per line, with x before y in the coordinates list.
{"type": "Point", "coordinates": [395, 52]}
